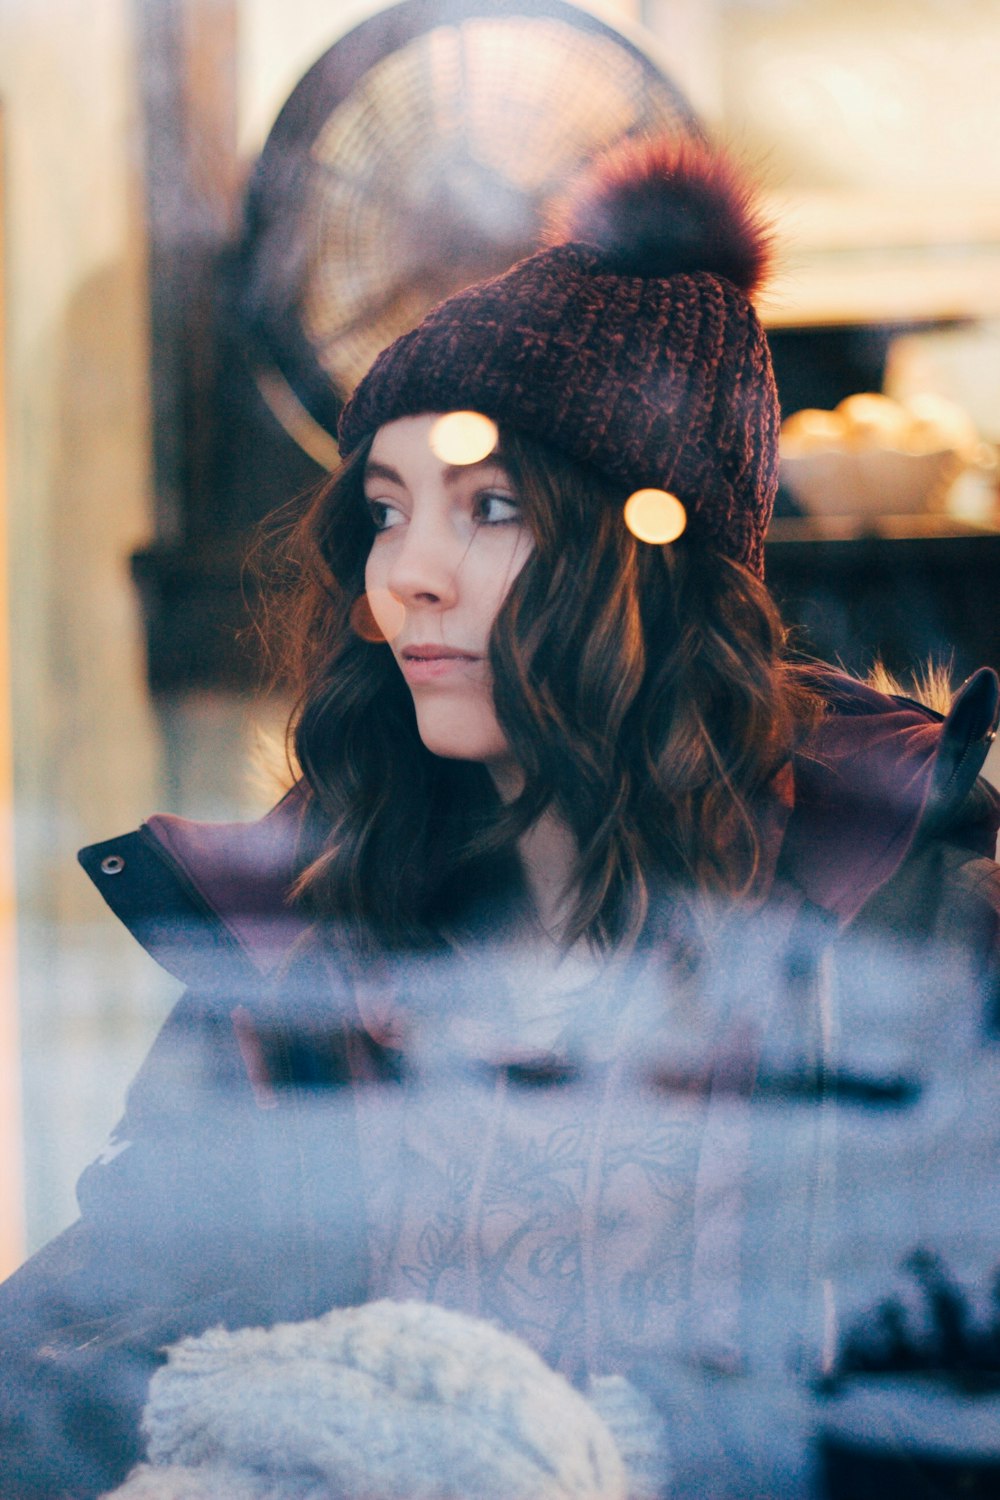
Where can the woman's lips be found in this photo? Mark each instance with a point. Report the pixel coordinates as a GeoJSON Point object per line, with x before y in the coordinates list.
{"type": "Point", "coordinates": [432, 663]}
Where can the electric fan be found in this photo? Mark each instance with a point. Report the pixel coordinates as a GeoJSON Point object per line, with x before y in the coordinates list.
{"type": "Point", "coordinates": [416, 156]}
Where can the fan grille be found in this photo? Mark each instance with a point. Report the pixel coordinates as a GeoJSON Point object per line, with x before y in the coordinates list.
{"type": "Point", "coordinates": [435, 171]}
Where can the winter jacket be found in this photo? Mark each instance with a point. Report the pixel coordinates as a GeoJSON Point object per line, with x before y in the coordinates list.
{"type": "Point", "coordinates": [643, 1192]}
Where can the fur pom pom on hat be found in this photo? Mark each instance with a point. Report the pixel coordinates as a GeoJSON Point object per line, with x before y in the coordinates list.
{"type": "Point", "coordinates": [666, 206]}
{"type": "Point", "coordinates": [630, 342]}
{"type": "Point", "coordinates": [399, 1400]}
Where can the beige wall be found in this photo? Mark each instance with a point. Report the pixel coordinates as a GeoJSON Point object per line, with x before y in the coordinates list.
{"type": "Point", "coordinates": [885, 95]}
{"type": "Point", "coordinates": [85, 751]}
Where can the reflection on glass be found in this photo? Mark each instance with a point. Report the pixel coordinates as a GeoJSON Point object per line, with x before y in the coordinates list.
{"type": "Point", "coordinates": [463, 437]}
{"type": "Point", "coordinates": [655, 516]}
{"type": "Point", "coordinates": [377, 616]}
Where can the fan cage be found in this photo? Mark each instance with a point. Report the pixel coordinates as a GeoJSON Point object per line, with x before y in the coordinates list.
{"type": "Point", "coordinates": [432, 169]}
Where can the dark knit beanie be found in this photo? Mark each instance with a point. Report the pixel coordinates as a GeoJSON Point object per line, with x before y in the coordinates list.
{"type": "Point", "coordinates": [631, 344]}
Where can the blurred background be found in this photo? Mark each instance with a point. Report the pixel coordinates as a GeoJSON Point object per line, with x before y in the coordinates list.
{"type": "Point", "coordinates": [215, 211]}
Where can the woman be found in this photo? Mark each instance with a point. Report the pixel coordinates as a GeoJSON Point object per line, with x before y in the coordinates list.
{"type": "Point", "coordinates": [476, 1013]}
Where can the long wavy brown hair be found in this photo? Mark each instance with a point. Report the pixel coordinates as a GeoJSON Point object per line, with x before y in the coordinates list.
{"type": "Point", "coordinates": [644, 692]}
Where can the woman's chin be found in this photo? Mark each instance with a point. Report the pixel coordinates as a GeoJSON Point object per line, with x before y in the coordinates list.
{"type": "Point", "coordinates": [464, 740]}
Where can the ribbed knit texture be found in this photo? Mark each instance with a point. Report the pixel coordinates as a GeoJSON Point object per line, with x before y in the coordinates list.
{"type": "Point", "coordinates": [394, 1400]}
{"type": "Point", "coordinates": [661, 381]}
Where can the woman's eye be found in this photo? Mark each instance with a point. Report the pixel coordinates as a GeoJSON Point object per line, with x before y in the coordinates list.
{"type": "Point", "coordinates": [495, 508]}
{"type": "Point", "coordinates": [383, 515]}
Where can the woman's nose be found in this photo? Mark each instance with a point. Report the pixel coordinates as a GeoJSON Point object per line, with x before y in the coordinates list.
{"type": "Point", "coordinates": [425, 567]}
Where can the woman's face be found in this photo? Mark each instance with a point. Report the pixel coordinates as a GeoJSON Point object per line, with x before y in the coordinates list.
{"type": "Point", "coordinates": [450, 540]}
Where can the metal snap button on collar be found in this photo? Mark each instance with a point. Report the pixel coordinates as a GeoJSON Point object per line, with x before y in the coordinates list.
{"type": "Point", "coordinates": [112, 864]}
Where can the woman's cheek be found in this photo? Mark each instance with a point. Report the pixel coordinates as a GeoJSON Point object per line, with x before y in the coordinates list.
{"type": "Point", "coordinates": [510, 552]}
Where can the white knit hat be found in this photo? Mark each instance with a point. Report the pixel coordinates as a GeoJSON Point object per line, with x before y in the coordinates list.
{"type": "Point", "coordinates": [394, 1400]}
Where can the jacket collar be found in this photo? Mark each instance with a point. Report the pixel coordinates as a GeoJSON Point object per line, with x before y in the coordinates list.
{"type": "Point", "coordinates": [878, 774]}
{"type": "Point", "coordinates": [875, 776]}
{"type": "Point", "coordinates": [243, 874]}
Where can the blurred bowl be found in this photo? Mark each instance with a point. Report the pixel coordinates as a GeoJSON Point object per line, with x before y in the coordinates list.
{"type": "Point", "coordinates": [870, 481]}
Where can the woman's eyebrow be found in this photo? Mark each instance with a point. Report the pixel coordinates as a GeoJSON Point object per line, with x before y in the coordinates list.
{"type": "Point", "coordinates": [451, 472]}
{"type": "Point", "coordinates": [374, 470]}
{"type": "Point", "coordinates": [492, 460]}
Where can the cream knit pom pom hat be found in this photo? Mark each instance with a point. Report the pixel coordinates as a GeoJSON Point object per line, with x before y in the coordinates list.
{"type": "Point", "coordinates": [393, 1400]}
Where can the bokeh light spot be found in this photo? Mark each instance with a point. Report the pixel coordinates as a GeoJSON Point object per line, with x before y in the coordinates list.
{"type": "Point", "coordinates": [377, 616]}
{"type": "Point", "coordinates": [463, 437]}
{"type": "Point", "coordinates": [655, 516]}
